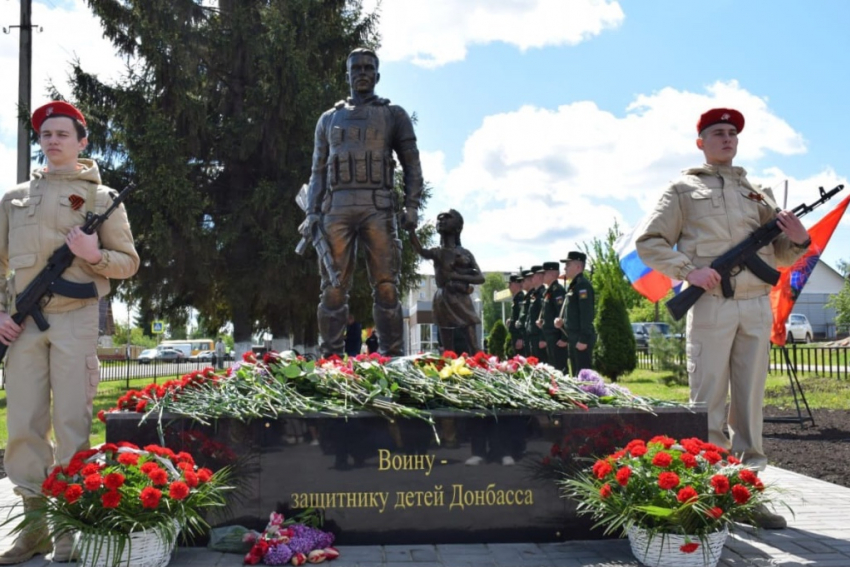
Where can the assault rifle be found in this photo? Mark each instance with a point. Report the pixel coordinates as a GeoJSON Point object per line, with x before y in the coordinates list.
{"type": "Point", "coordinates": [316, 236]}
{"type": "Point", "coordinates": [744, 255]}
{"type": "Point", "coordinates": [49, 280]}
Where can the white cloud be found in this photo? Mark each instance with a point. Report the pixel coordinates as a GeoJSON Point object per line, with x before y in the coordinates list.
{"type": "Point", "coordinates": [437, 32]}
{"type": "Point", "coordinates": [540, 181]}
{"type": "Point", "coordinates": [69, 32]}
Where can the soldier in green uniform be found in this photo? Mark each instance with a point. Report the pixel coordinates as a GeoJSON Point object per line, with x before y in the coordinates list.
{"type": "Point", "coordinates": [515, 285]}
{"type": "Point", "coordinates": [578, 313]}
{"type": "Point", "coordinates": [523, 313]}
{"type": "Point", "coordinates": [533, 334]}
{"type": "Point", "coordinates": [553, 301]}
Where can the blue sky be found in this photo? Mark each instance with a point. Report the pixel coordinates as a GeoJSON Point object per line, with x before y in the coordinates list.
{"type": "Point", "coordinates": [544, 121]}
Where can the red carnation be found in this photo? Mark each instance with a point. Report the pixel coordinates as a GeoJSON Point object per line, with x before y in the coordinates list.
{"type": "Point", "coordinates": [148, 467]}
{"type": "Point", "coordinates": [748, 476]}
{"type": "Point", "coordinates": [204, 474]}
{"type": "Point", "coordinates": [662, 459]}
{"type": "Point", "coordinates": [733, 460]}
{"type": "Point", "coordinates": [623, 476]}
{"type": "Point", "coordinates": [158, 476]}
{"type": "Point", "coordinates": [101, 416]}
{"type": "Point", "coordinates": [712, 457]}
{"type": "Point", "coordinates": [129, 459]}
{"type": "Point", "coordinates": [191, 478]}
{"type": "Point", "coordinates": [113, 481]}
{"type": "Point", "coordinates": [178, 490]}
{"type": "Point", "coordinates": [668, 480]}
{"type": "Point", "coordinates": [689, 547]}
{"type": "Point", "coordinates": [688, 460]}
{"type": "Point", "coordinates": [638, 450]}
{"type": "Point", "coordinates": [150, 497]}
{"type": "Point", "coordinates": [715, 512]}
{"type": "Point", "coordinates": [720, 484]}
{"type": "Point", "coordinates": [605, 491]}
{"type": "Point", "coordinates": [692, 445]}
{"type": "Point", "coordinates": [602, 469]}
{"type": "Point", "coordinates": [687, 495]}
{"type": "Point", "coordinates": [93, 482]}
{"type": "Point", "coordinates": [111, 499]}
{"type": "Point", "coordinates": [667, 442]}
{"type": "Point", "coordinates": [741, 493]}
{"type": "Point", "coordinates": [532, 361]}
{"type": "Point", "coordinates": [73, 493]}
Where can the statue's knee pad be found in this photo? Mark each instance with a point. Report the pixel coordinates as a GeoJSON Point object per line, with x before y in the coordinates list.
{"type": "Point", "coordinates": [386, 295]}
{"type": "Point", "coordinates": [334, 298]}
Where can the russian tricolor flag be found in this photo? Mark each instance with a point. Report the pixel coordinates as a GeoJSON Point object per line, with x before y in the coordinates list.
{"type": "Point", "coordinates": [649, 283]}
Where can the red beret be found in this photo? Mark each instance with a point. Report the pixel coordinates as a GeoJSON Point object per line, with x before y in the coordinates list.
{"type": "Point", "coordinates": [721, 115]}
{"type": "Point", "coordinates": [55, 108]}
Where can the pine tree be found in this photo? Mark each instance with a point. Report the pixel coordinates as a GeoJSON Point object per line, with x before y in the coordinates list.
{"type": "Point", "coordinates": [215, 122]}
{"type": "Point", "coordinates": [498, 334]}
{"type": "Point", "coordinates": [614, 354]}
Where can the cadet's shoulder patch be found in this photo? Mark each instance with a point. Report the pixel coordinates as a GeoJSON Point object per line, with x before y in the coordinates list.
{"type": "Point", "coordinates": [582, 294]}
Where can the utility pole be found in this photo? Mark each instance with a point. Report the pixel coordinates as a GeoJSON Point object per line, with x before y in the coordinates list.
{"type": "Point", "coordinates": [24, 87]}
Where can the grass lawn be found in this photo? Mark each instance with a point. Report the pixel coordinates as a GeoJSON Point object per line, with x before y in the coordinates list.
{"type": "Point", "coordinates": [107, 394]}
{"type": "Point", "coordinates": [825, 393]}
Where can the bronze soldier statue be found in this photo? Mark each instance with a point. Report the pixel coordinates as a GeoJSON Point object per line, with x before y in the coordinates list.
{"type": "Point", "coordinates": [350, 198]}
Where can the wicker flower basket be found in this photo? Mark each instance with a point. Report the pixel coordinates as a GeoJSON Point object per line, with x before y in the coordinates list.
{"type": "Point", "coordinates": [665, 550]}
{"type": "Point", "coordinates": [150, 548]}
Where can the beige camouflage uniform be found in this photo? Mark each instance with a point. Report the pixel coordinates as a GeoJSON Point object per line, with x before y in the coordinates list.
{"type": "Point", "coordinates": [704, 213]}
{"type": "Point", "coordinates": [35, 218]}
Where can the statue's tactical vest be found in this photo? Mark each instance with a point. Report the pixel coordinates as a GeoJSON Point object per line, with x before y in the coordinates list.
{"type": "Point", "coordinates": [360, 155]}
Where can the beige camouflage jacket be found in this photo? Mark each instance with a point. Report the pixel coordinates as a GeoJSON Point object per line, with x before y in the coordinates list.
{"type": "Point", "coordinates": [34, 220]}
{"type": "Point", "coordinates": [703, 214]}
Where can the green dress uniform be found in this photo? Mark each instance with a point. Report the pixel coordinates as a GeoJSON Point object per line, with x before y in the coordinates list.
{"type": "Point", "coordinates": [517, 332]}
{"type": "Point", "coordinates": [553, 302]}
{"type": "Point", "coordinates": [533, 333]}
{"type": "Point", "coordinates": [578, 321]}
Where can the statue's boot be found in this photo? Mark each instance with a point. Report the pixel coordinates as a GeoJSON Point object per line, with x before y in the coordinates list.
{"type": "Point", "coordinates": [332, 323]}
{"type": "Point", "coordinates": [390, 326]}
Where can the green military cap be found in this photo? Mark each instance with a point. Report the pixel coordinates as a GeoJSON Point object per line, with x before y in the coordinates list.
{"type": "Point", "coordinates": [536, 269]}
{"type": "Point", "coordinates": [527, 273]}
{"type": "Point", "coordinates": [551, 266]}
{"type": "Point", "coordinates": [515, 278]}
{"type": "Point", "coordinates": [574, 255]}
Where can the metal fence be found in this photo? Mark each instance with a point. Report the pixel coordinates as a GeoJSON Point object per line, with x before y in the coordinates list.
{"type": "Point", "coordinates": [115, 370]}
{"type": "Point", "coordinates": [822, 361]}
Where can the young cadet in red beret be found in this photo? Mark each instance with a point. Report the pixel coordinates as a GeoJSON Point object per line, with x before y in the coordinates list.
{"type": "Point", "coordinates": [704, 213]}
{"type": "Point", "coordinates": [59, 364]}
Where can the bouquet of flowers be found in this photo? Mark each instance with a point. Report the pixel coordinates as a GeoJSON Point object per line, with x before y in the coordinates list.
{"type": "Point", "coordinates": [117, 490]}
{"type": "Point", "coordinates": [286, 541]}
{"type": "Point", "coordinates": [664, 486]}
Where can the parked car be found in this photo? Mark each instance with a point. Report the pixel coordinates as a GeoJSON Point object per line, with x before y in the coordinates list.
{"type": "Point", "coordinates": [203, 356]}
{"type": "Point", "coordinates": [798, 328]}
{"type": "Point", "coordinates": [643, 331]}
{"type": "Point", "coordinates": [161, 354]}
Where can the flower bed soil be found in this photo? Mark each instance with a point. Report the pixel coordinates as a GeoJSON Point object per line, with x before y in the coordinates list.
{"type": "Point", "coordinates": [820, 452]}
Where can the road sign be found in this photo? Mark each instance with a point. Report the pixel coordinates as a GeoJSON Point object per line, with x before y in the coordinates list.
{"type": "Point", "coordinates": [158, 327]}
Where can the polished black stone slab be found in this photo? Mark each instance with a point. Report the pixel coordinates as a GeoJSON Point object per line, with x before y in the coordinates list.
{"type": "Point", "coordinates": [390, 482]}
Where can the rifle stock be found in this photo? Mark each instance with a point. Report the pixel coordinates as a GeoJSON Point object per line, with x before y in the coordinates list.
{"type": "Point", "coordinates": [744, 255]}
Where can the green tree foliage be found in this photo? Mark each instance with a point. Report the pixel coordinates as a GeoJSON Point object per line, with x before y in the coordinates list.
{"type": "Point", "coordinates": [614, 354]}
{"type": "Point", "coordinates": [215, 121]}
{"type": "Point", "coordinates": [669, 354]}
{"type": "Point", "coordinates": [841, 301]}
{"type": "Point", "coordinates": [496, 340]}
{"type": "Point", "coordinates": [509, 346]}
{"type": "Point", "coordinates": [493, 282]}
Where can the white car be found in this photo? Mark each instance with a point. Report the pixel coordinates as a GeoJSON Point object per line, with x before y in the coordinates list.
{"type": "Point", "coordinates": [798, 329]}
{"type": "Point", "coordinates": [203, 356]}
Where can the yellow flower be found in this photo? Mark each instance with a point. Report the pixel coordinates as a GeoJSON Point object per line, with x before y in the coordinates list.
{"type": "Point", "coordinates": [457, 366]}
